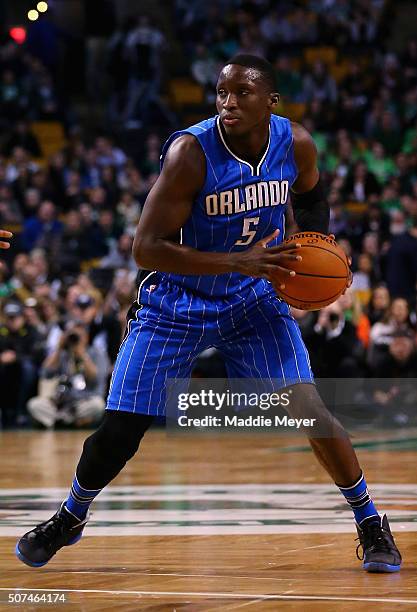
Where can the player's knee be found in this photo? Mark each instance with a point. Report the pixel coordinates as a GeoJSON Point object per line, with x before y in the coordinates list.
{"type": "Point", "coordinates": [118, 437]}
{"type": "Point", "coordinates": [306, 403]}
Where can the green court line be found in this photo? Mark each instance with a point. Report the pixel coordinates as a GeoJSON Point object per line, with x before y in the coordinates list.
{"type": "Point", "coordinates": [401, 444]}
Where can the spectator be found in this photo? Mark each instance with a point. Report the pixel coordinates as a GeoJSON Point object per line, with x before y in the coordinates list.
{"type": "Point", "coordinates": [19, 166]}
{"type": "Point", "coordinates": [95, 238]}
{"type": "Point", "coordinates": [109, 183]}
{"type": "Point", "coordinates": [12, 100]}
{"type": "Point", "coordinates": [118, 302]}
{"type": "Point", "coordinates": [401, 264]}
{"type": "Point", "coordinates": [118, 68]}
{"type": "Point", "coordinates": [336, 349]}
{"type": "Point", "coordinates": [409, 63]}
{"type": "Point", "coordinates": [251, 44]}
{"type": "Point", "coordinates": [353, 310]}
{"type": "Point", "coordinates": [289, 81]}
{"type": "Point", "coordinates": [392, 391]}
{"type": "Point", "coordinates": [120, 255]}
{"type": "Point", "coordinates": [43, 230]}
{"type": "Point", "coordinates": [388, 133]}
{"type": "Point", "coordinates": [361, 184]}
{"type": "Point", "coordinates": [21, 352]}
{"type": "Point", "coordinates": [104, 331]}
{"type": "Point", "coordinates": [224, 43]}
{"type": "Point", "coordinates": [379, 304]}
{"type": "Point", "coordinates": [23, 137]}
{"type": "Point", "coordinates": [28, 281]}
{"type": "Point", "coordinates": [73, 245]}
{"type": "Point", "coordinates": [45, 100]}
{"type": "Point", "coordinates": [396, 320]}
{"type": "Point", "coordinates": [361, 281]}
{"type": "Point", "coordinates": [10, 212]}
{"type": "Point", "coordinates": [129, 209]}
{"type": "Point", "coordinates": [354, 94]}
{"type": "Point", "coordinates": [401, 359]}
{"type": "Point", "coordinates": [319, 85]}
{"type": "Point", "coordinates": [338, 218]}
{"type": "Point", "coordinates": [74, 194]}
{"type": "Point", "coordinates": [72, 382]}
{"type": "Point", "coordinates": [379, 163]}
{"type": "Point", "coordinates": [204, 69]}
{"type": "Point", "coordinates": [144, 46]}
{"type": "Point", "coordinates": [6, 288]}
{"type": "Point", "coordinates": [31, 202]}
{"type": "Point", "coordinates": [376, 230]}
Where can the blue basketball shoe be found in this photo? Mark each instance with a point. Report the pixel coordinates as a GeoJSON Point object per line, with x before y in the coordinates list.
{"type": "Point", "coordinates": [380, 553]}
{"type": "Point", "coordinates": [39, 545]}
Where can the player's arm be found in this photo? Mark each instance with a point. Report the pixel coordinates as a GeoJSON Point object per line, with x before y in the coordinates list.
{"type": "Point", "coordinates": [311, 210]}
{"type": "Point", "coordinates": [167, 208]}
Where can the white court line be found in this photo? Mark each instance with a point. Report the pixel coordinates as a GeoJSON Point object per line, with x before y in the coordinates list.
{"type": "Point", "coordinates": [317, 546]}
{"type": "Point", "coordinates": [291, 550]}
{"type": "Point", "coordinates": [218, 595]}
{"type": "Point", "coordinates": [253, 602]}
{"type": "Point", "coordinates": [177, 574]}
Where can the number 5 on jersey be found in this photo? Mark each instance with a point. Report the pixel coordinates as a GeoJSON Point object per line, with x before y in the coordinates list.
{"type": "Point", "coordinates": [247, 232]}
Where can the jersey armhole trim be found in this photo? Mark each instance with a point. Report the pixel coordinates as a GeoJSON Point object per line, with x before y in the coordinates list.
{"type": "Point", "coordinates": [171, 140]}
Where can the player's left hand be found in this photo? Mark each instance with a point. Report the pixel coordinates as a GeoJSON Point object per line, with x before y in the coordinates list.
{"type": "Point", "coordinates": [5, 234]}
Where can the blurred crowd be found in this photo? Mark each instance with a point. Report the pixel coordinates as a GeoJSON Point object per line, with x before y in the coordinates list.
{"type": "Point", "coordinates": [359, 100]}
{"type": "Point", "coordinates": [133, 61]}
{"type": "Point", "coordinates": [27, 90]}
{"type": "Point", "coordinates": [69, 279]}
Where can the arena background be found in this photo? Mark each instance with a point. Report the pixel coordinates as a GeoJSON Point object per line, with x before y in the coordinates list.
{"type": "Point", "coordinates": [88, 93]}
{"type": "Point", "coordinates": [89, 90]}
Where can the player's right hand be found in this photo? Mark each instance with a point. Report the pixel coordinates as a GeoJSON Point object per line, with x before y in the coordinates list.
{"type": "Point", "coordinates": [264, 262]}
{"type": "Point", "coordinates": [5, 234]}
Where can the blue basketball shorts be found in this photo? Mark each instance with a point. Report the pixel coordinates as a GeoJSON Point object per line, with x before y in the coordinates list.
{"type": "Point", "coordinates": [253, 330]}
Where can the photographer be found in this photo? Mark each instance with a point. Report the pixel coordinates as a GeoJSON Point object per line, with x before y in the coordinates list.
{"type": "Point", "coordinates": [336, 351]}
{"type": "Point", "coordinates": [73, 381]}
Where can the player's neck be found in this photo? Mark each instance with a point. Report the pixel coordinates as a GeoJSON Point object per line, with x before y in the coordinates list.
{"type": "Point", "coordinates": [251, 146]}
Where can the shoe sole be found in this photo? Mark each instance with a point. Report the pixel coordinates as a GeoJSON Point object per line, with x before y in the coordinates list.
{"type": "Point", "coordinates": [30, 563]}
{"type": "Point", "coordinates": [380, 568]}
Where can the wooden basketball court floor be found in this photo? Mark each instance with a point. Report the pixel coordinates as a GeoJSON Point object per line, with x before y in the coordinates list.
{"type": "Point", "coordinates": [226, 522]}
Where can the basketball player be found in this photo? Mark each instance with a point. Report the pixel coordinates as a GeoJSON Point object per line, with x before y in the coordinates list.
{"type": "Point", "coordinates": [5, 234]}
{"type": "Point", "coordinates": [224, 185]}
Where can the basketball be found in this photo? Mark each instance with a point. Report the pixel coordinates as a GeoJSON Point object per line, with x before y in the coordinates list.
{"type": "Point", "coordinates": [321, 276]}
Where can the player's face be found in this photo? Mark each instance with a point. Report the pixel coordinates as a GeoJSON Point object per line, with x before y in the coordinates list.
{"type": "Point", "coordinates": [243, 100]}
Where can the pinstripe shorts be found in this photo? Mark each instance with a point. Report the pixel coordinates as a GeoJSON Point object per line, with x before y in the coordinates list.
{"type": "Point", "coordinates": [253, 330]}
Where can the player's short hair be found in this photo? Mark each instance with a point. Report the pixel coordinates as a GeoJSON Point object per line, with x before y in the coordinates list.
{"type": "Point", "coordinates": [265, 68]}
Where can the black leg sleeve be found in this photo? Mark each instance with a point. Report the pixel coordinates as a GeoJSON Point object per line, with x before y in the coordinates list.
{"type": "Point", "coordinates": [107, 450]}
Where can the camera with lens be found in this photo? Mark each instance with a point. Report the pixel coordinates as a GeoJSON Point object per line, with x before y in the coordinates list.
{"type": "Point", "coordinates": [63, 393]}
{"type": "Point", "coordinates": [72, 339]}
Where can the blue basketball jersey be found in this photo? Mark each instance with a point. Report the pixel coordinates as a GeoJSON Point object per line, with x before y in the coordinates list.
{"type": "Point", "coordinates": [239, 204]}
{"type": "Point", "coordinates": [179, 316]}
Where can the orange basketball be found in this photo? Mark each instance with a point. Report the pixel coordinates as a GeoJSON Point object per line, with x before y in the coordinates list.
{"type": "Point", "coordinates": [321, 276]}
